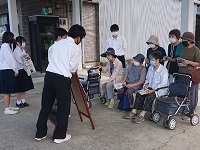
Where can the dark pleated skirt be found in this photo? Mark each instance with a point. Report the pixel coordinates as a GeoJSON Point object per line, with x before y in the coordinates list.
{"type": "Point", "coordinates": [24, 82]}
{"type": "Point", "coordinates": [7, 81]}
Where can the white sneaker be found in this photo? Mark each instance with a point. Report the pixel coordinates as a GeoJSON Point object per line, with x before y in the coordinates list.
{"type": "Point", "coordinates": [9, 111]}
{"type": "Point", "coordinates": [58, 141]}
{"type": "Point", "coordinates": [39, 139]}
{"type": "Point", "coordinates": [14, 108]}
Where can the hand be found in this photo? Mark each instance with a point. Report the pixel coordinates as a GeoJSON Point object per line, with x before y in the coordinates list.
{"type": "Point", "coordinates": [147, 61]}
{"type": "Point", "coordinates": [129, 85]}
{"type": "Point", "coordinates": [145, 86]}
{"type": "Point", "coordinates": [104, 86]}
{"type": "Point", "coordinates": [186, 62]}
{"type": "Point", "coordinates": [169, 58]}
{"type": "Point", "coordinates": [165, 58]}
{"type": "Point", "coordinates": [99, 67]}
{"type": "Point", "coordinates": [16, 74]}
{"type": "Point", "coordinates": [150, 91]}
{"type": "Point", "coordinates": [73, 73]}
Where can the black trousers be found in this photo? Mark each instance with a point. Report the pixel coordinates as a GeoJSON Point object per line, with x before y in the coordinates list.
{"type": "Point", "coordinates": [122, 59]}
{"type": "Point", "coordinates": [55, 87]}
{"type": "Point", "coordinates": [144, 102]}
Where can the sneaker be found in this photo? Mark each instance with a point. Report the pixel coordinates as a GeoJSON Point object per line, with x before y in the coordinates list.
{"type": "Point", "coordinates": [25, 104]}
{"type": "Point", "coordinates": [130, 115]}
{"type": "Point", "coordinates": [13, 108]}
{"type": "Point", "coordinates": [42, 138]}
{"type": "Point", "coordinates": [58, 141]}
{"type": "Point", "coordinates": [20, 105]}
{"type": "Point", "coordinates": [10, 112]}
{"type": "Point", "coordinates": [138, 119]}
{"type": "Point", "coordinates": [112, 105]}
{"type": "Point", "coordinates": [107, 103]}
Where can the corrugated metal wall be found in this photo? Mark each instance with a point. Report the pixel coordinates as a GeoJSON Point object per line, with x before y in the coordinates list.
{"type": "Point", "coordinates": [137, 20]}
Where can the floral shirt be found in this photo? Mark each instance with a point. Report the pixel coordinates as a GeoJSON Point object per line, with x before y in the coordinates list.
{"type": "Point", "coordinates": [117, 74]}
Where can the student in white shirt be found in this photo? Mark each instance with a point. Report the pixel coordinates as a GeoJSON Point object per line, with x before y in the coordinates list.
{"type": "Point", "coordinates": [63, 61]}
{"type": "Point", "coordinates": [118, 43]}
{"type": "Point", "coordinates": [8, 72]}
{"type": "Point", "coordinates": [24, 82]}
{"type": "Point", "coordinates": [157, 77]}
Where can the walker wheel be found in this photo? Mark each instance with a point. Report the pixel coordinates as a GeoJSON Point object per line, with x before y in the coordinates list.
{"type": "Point", "coordinates": [194, 120]}
{"type": "Point", "coordinates": [171, 123]}
{"type": "Point", "coordinates": [165, 122]}
{"type": "Point", "coordinates": [155, 116]}
{"type": "Point", "coordinates": [103, 100]}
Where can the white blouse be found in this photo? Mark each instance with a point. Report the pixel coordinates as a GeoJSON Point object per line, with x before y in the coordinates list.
{"type": "Point", "coordinates": [17, 56]}
{"type": "Point", "coordinates": [7, 60]}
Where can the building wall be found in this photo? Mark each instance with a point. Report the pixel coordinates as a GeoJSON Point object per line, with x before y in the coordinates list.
{"type": "Point", "coordinates": [138, 20]}
{"type": "Point", "coordinates": [90, 19]}
{"type": "Point", "coordinates": [4, 9]}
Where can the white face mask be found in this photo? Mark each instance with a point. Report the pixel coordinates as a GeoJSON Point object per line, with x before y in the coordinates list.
{"type": "Point", "coordinates": [152, 45]}
{"type": "Point", "coordinates": [136, 63]}
{"type": "Point", "coordinates": [116, 33]}
{"type": "Point", "coordinates": [172, 40]}
{"type": "Point", "coordinates": [23, 44]}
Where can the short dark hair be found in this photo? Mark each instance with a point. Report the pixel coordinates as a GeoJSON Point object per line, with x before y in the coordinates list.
{"type": "Point", "coordinates": [60, 32]}
{"type": "Point", "coordinates": [77, 31]}
{"type": "Point", "coordinates": [175, 32]}
{"type": "Point", "coordinates": [156, 55]}
{"type": "Point", "coordinates": [20, 39]}
{"type": "Point", "coordinates": [114, 27]}
{"type": "Point", "coordinates": [8, 37]}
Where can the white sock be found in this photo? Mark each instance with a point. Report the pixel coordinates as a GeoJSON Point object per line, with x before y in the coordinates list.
{"type": "Point", "coordinates": [112, 100]}
{"type": "Point", "coordinates": [19, 102]}
{"type": "Point", "coordinates": [6, 108]}
{"type": "Point", "coordinates": [23, 100]}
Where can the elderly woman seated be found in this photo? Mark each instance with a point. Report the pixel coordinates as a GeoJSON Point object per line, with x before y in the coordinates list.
{"type": "Point", "coordinates": [115, 70]}
{"type": "Point", "coordinates": [157, 77]}
{"type": "Point", "coordinates": [134, 78]}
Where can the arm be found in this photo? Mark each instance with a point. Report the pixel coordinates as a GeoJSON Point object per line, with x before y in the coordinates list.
{"type": "Point", "coordinates": [17, 56]}
{"type": "Point", "coordinates": [106, 68]}
{"type": "Point", "coordinates": [141, 80]}
{"type": "Point", "coordinates": [124, 45]}
{"type": "Point", "coordinates": [73, 63]}
{"type": "Point", "coordinates": [10, 59]}
{"type": "Point", "coordinates": [125, 77]}
{"type": "Point", "coordinates": [117, 68]}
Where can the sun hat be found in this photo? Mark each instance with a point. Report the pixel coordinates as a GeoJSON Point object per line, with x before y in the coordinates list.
{"type": "Point", "coordinates": [110, 51]}
{"type": "Point", "coordinates": [153, 39]}
{"type": "Point", "coordinates": [188, 36]}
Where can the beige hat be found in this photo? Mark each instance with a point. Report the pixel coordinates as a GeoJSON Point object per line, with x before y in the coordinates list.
{"type": "Point", "coordinates": [153, 39]}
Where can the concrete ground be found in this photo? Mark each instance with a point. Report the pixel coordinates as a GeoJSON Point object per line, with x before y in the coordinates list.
{"type": "Point", "coordinates": [112, 132]}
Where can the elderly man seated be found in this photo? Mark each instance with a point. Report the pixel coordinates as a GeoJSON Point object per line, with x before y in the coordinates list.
{"type": "Point", "coordinates": [115, 70]}
{"type": "Point", "coordinates": [157, 77]}
{"type": "Point", "coordinates": [134, 78]}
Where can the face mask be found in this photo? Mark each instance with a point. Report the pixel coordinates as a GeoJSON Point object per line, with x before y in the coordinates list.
{"type": "Point", "coordinates": [136, 63]}
{"type": "Point", "coordinates": [152, 63]}
{"type": "Point", "coordinates": [152, 45]}
{"type": "Point", "coordinates": [185, 43]}
{"type": "Point", "coordinates": [172, 40]}
{"type": "Point", "coordinates": [23, 44]}
{"type": "Point", "coordinates": [116, 33]}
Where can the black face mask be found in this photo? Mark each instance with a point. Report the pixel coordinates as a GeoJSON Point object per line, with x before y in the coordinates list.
{"type": "Point", "coordinates": [185, 43]}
